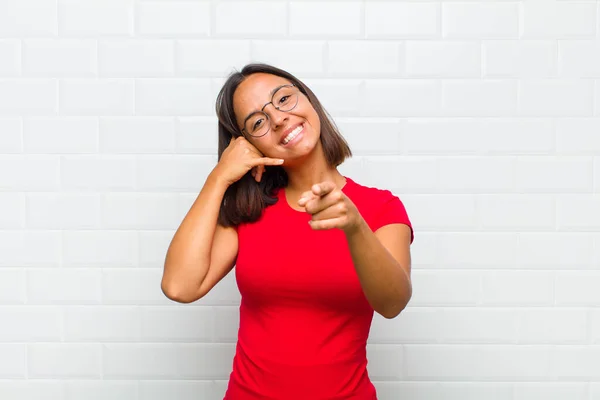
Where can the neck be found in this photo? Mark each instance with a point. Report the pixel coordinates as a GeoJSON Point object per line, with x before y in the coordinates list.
{"type": "Point", "coordinates": [310, 171]}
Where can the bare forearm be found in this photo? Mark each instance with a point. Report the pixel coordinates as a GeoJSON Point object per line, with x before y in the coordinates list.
{"type": "Point", "coordinates": [188, 256]}
{"type": "Point", "coordinates": [386, 285]}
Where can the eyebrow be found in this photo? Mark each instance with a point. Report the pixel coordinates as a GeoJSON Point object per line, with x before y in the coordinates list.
{"type": "Point", "coordinates": [270, 96]}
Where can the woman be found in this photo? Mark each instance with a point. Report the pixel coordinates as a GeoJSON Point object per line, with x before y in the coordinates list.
{"type": "Point", "coordinates": [315, 252]}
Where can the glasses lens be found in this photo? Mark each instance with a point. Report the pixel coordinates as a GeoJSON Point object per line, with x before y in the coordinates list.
{"type": "Point", "coordinates": [285, 98]}
{"type": "Point", "coordinates": [257, 124]}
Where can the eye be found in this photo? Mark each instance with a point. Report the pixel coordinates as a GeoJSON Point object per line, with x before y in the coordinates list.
{"type": "Point", "coordinates": [283, 99]}
{"type": "Point", "coordinates": [257, 123]}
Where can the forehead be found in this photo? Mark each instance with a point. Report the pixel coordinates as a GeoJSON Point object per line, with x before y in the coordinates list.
{"type": "Point", "coordinates": [255, 91]}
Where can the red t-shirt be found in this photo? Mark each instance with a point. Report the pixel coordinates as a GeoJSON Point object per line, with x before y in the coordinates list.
{"type": "Point", "coordinates": [304, 319]}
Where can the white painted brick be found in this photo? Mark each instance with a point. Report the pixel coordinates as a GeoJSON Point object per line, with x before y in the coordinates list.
{"type": "Point", "coordinates": [579, 58]}
{"type": "Point", "coordinates": [478, 362]}
{"type": "Point", "coordinates": [10, 57]}
{"type": "Point", "coordinates": [173, 97]}
{"type": "Point", "coordinates": [210, 57]}
{"type": "Point", "coordinates": [578, 136]}
{"type": "Point", "coordinates": [464, 136]}
{"type": "Point", "coordinates": [97, 97]}
{"type": "Point", "coordinates": [518, 288]}
{"type": "Point", "coordinates": [483, 325]}
{"type": "Point", "coordinates": [486, 98]}
{"type": "Point", "coordinates": [480, 20]}
{"type": "Point", "coordinates": [59, 58]}
{"type": "Point", "coordinates": [594, 321]}
{"type": "Point", "coordinates": [137, 135]}
{"type": "Point", "coordinates": [174, 324]}
{"type": "Point", "coordinates": [442, 212]}
{"type": "Point", "coordinates": [156, 361]}
{"type": "Point", "coordinates": [157, 389]}
{"type": "Point", "coordinates": [197, 135]}
{"type": "Point", "coordinates": [132, 286]}
{"type": "Point", "coordinates": [477, 250]}
{"type": "Point", "coordinates": [17, 20]}
{"type": "Point", "coordinates": [136, 58]}
{"type": "Point", "coordinates": [455, 59]}
{"type": "Point", "coordinates": [556, 98]}
{"type": "Point", "coordinates": [385, 361]}
{"type": "Point", "coordinates": [75, 135]}
{"type": "Point", "coordinates": [30, 248]}
{"type": "Point", "coordinates": [476, 174]}
{"type": "Point", "coordinates": [440, 390]}
{"type": "Point", "coordinates": [325, 18]}
{"type": "Point", "coordinates": [371, 136]}
{"type": "Point", "coordinates": [402, 19]}
{"type": "Point", "coordinates": [558, 19]}
{"type": "Point", "coordinates": [12, 135]}
{"type": "Point", "coordinates": [26, 389]}
{"type": "Point", "coordinates": [173, 18]}
{"type": "Point", "coordinates": [519, 58]}
{"type": "Point", "coordinates": [28, 97]}
{"type": "Point", "coordinates": [597, 174]}
{"type": "Point", "coordinates": [140, 211]}
{"type": "Point", "coordinates": [365, 57]}
{"type": "Point", "coordinates": [12, 210]}
{"type": "Point", "coordinates": [555, 174]}
{"type": "Point", "coordinates": [63, 211]}
{"type": "Point", "coordinates": [12, 286]}
{"type": "Point", "coordinates": [577, 288]}
{"type": "Point", "coordinates": [552, 326]}
{"type": "Point", "coordinates": [173, 173]}
{"type": "Point", "coordinates": [555, 250]}
{"type": "Point", "coordinates": [435, 288]}
{"type": "Point", "coordinates": [250, 19]}
{"type": "Point", "coordinates": [413, 325]}
{"type": "Point", "coordinates": [595, 391]}
{"type": "Point", "coordinates": [63, 286]}
{"type": "Point", "coordinates": [102, 324]}
{"type": "Point", "coordinates": [578, 212]}
{"type": "Point", "coordinates": [577, 362]}
{"type": "Point", "coordinates": [96, 17]}
{"type": "Point", "coordinates": [94, 173]}
{"type": "Point", "coordinates": [34, 172]}
{"type": "Point", "coordinates": [401, 98]}
{"type": "Point", "coordinates": [425, 250]}
{"type": "Point", "coordinates": [30, 324]}
{"type": "Point", "coordinates": [340, 97]}
{"type": "Point", "coordinates": [297, 56]}
{"type": "Point", "coordinates": [100, 390]}
{"type": "Point", "coordinates": [597, 94]}
{"type": "Point", "coordinates": [551, 390]}
{"type": "Point", "coordinates": [99, 248]}
{"type": "Point", "coordinates": [153, 246]}
{"type": "Point", "coordinates": [13, 363]}
{"type": "Point", "coordinates": [521, 212]}
{"type": "Point", "coordinates": [226, 323]}
{"type": "Point", "coordinates": [64, 360]}
{"type": "Point", "coordinates": [377, 170]}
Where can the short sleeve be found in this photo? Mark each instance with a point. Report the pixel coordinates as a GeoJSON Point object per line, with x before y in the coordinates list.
{"type": "Point", "coordinates": [390, 210]}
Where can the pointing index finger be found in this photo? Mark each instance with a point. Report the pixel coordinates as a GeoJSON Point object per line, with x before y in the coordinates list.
{"type": "Point", "coordinates": [323, 188]}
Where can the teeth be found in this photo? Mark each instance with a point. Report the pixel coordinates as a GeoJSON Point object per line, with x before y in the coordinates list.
{"type": "Point", "coordinates": [292, 135]}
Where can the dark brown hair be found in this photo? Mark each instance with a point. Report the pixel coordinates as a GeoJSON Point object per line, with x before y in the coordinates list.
{"type": "Point", "coordinates": [245, 200]}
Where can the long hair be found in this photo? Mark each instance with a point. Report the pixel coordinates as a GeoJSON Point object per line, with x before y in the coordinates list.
{"type": "Point", "coordinates": [245, 200]}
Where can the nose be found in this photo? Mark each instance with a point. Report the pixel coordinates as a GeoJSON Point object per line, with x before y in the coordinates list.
{"type": "Point", "coordinates": [276, 117]}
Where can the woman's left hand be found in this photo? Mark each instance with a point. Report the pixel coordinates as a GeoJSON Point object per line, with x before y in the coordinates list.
{"type": "Point", "coordinates": [330, 208]}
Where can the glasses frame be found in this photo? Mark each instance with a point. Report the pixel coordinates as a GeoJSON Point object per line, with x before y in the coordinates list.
{"type": "Point", "coordinates": [244, 131]}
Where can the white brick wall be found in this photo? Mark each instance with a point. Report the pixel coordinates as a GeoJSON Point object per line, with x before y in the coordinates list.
{"type": "Point", "coordinates": [484, 116]}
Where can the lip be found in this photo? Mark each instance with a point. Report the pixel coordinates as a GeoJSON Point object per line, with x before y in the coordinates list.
{"type": "Point", "coordinates": [288, 130]}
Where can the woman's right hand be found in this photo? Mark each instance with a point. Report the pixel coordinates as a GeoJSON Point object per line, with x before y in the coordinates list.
{"type": "Point", "coordinates": [240, 157]}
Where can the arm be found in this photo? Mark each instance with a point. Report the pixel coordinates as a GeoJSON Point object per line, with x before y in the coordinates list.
{"type": "Point", "coordinates": [201, 252]}
{"type": "Point", "coordinates": [383, 264]}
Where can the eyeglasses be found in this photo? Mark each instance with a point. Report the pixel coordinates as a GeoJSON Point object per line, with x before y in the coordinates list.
{"type": "Point", "coordinates": [284, 99]}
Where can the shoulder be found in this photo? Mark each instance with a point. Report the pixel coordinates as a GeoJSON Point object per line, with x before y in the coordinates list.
{"type": "Point", "coordinates": [379, 207]}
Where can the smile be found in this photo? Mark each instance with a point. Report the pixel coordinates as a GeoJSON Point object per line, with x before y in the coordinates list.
{"type": "Point", "coordinates": [292, 135]}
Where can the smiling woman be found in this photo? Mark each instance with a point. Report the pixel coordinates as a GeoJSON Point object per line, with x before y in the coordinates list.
{"type": "Point", "coordinates": [315, 253]}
